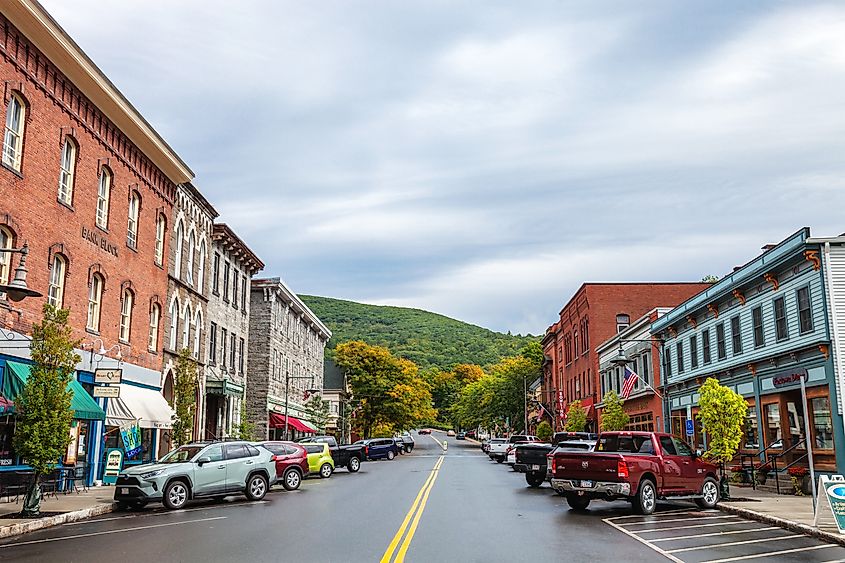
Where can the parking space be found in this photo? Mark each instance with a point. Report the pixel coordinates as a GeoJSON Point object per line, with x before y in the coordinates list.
{"type": "Point", "coordinates": [711, 536]}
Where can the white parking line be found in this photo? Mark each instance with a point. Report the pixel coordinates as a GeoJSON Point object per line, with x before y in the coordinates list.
{"type": "Point", "coordinates": [711, 534]}
{"type": "Point", "coordinates": [662, 552]}
{"type": "Point", "coordinates": [772, 553]}
{"type": "Point", "coordinates": [133, 529]}
{"type": "Point", "coordinates": [697, 548]}
{"type": "Point", "coordinates": [696, 526]}
{"type": "Point", "coordinates": [663, 513]}
{"type": "Point", "coordinates": [696, 518]}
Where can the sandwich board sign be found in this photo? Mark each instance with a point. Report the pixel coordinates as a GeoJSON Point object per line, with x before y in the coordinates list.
{"type": "Point", "coordinates": [834, 491]}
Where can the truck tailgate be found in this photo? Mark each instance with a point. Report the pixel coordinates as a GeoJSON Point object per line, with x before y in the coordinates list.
{"type": "Point", "coordinates": [587, 466]}
{"type": "Point", "coordinates": [531, 454]}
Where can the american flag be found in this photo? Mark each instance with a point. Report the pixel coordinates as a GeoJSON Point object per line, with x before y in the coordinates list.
{"type": "Point", "coordinates": [631, 379]}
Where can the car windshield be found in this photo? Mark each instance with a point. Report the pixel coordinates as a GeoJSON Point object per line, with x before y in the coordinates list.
{"type": "Point", "coordinates": [181, 454]}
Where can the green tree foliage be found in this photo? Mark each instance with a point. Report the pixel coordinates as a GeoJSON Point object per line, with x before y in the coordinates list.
{"type": "Point", "coordinates": [390, 393]}
{"type": "Point", "coordinates": [576, 417]}
{"type": "Point", "coordinates": [317, 411]}
{"type": "Point", "coordinates": [185, 382]}
{"type": "Point", "coordinates": [427, 339]}
{"type": "Point", "coordinates": [244, 430]}
{"type": "Point", "coordinates": [544, 431]}
{"type": "Point", "coordinates": [722, 413]}
{"type": "Point", "coordinates": [613, 416]}
{"type": "Point", "coordinates": [42, 426]}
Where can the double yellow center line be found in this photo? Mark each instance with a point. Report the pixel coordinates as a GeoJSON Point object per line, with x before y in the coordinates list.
{"type": "Point", "coordinates": [415, 513]}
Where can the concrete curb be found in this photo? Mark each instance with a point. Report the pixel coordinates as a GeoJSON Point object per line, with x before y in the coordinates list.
{"type": "Point", "coordinates": [49, 522]}
{"type": "Point", "coordinates": [786, 524]}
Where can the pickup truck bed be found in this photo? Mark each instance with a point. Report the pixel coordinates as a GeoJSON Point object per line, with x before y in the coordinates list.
{"type": "Point", "coordinates": [349, 456]}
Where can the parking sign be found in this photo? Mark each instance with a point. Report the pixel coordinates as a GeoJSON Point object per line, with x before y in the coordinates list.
{"type": "Point", "coordinates": [690, 428]}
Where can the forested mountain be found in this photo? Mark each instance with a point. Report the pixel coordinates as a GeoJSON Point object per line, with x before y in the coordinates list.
{"type": "Point", "coordinates": [427, 339]}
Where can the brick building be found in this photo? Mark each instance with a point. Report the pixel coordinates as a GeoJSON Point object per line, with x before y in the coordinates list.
{"type": "Point", "coordinates": [87, 183]}
{"type": "Point", "coordinates": [594, 314]}
{"type": "Point", "coordinates": [232, 266]}
{"type": "Point", "coordinates": [286, 348]}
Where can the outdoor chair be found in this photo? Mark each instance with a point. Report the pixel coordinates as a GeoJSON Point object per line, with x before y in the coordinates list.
{"type": "Point", "coordinates": [50, 483]}
{"type": "Point", "coordinates": [76, 478]}
{"type": "Point", "coordinates": [14, 483]}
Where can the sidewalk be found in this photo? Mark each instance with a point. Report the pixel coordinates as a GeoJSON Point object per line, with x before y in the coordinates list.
{"type": "Point", "coordinates": [71, 506]}
{"type": "Point", "coordinates": [787, 511]}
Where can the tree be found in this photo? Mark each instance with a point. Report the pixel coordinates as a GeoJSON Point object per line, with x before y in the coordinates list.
{"type": "Point", "coordinates": [576, 417]}
{"type": "Point", "coordinates": [185, 382]}
{"type": "Point", "coordinates": [722, 413]}
{"type": "Point", "coordinates": [42, 427]}
{"type": "Point", "coordinates": [544, 431]}
{"type": "Point", "coordinates": [317, 410]}
{"type": "Point", "coordinates": [613, 416]}
{"type": "Point", "coordinates": [245, 430]}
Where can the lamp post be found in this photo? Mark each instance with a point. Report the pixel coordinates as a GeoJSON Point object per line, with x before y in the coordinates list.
{"type": "Point", "coordinates": [288, 377]}
{"type": "Point", "coordinates": [17, 290]}
{"type": "Point", "coordinates": [622, 360]}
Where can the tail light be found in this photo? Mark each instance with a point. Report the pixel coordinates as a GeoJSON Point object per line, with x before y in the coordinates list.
{"type": "Point", "coordinates": [552, 462]}
{"type": "Point", "coordinates": [366, 450]}
{"type": "Point", "coordinates": [621, 469]}
{"type": "Point", "coordinates": [275, 458]}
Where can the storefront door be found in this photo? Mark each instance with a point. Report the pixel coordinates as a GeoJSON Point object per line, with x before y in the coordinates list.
{"type": "Point", "coordinates": [793, 423]}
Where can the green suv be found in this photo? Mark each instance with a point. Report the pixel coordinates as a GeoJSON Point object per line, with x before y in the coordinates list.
{"type": "Point", "coordinates": [201, 469]}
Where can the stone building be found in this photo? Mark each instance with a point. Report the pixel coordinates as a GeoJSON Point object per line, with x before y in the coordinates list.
{"type": "Point", "coordinates": [227, 362]}
{"type": "Point", "coordinates": [188, 277]}
{"type": "Point", "coordinates": [286, 349]}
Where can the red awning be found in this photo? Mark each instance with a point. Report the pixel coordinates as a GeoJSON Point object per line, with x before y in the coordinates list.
{"type": "Point", "coordinates": [278, 421]}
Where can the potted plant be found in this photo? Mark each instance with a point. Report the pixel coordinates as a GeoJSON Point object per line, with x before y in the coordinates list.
{"type": "Point", "coordinates": [800, 480]}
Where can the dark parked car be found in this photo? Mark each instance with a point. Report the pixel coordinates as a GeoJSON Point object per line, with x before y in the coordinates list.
{"type": "Point", "coordinates": [461, 436]}
{"type": "Point", "coordinates": [349, 456]}
{"type": "Point", "coordinates": [291, 462]}
{"type": "Point", "coordinates": [408, 441]}
{"type": "Point", "coordinates": [379, 448]}
{"type": "Point", "coordinates": [532, 459]}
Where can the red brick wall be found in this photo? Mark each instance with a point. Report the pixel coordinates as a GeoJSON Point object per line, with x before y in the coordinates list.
{"type": "Point", "coordinates": [29, 205]}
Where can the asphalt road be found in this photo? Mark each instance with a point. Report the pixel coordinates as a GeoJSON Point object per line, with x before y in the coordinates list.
{"type": "Point", "coordinates": [427, 506]}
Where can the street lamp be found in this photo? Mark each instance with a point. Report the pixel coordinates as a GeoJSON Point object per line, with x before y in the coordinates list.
{"type": "Point", "coordinates": [17, 290]}
{"type": "Point", "coordinates": [287, 396]}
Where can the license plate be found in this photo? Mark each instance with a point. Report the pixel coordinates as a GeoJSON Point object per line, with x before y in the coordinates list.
{"type": "Point", "coordinates": [587, 484]}
{"type": "Point", "coordinates": [535, 468]}
{"type": "Point", "coordinates": [124, 491]}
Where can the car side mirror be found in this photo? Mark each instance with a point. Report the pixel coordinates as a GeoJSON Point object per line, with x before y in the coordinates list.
{"type": "Point", "coordinates": [203, 460]}
{"type": "Point", "coordinates": [696, 454]}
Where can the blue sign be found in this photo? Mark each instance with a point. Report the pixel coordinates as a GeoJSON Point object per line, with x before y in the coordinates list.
{"type": "Point", "coordinates": [690, 428]}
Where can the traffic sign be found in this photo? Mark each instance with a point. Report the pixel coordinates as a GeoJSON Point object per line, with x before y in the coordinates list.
{"type": "Point", "coordinates": [690, 428]}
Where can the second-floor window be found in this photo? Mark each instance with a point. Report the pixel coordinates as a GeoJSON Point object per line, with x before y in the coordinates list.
{"type": "Point", "coordinates": [192, 246]}
{"type": "Point", "coordinates": [56, 291]}
{"type": "Point", "coordinates": [736, 336]}
{"type": "Point", "coordinates": [132, 226]}
{"type": "Point", "coordinates": [95, 296]}
{"type": "Point", "coordinates": [235, 289]}
{"type": "Point", "coordinates": [705, 345]}
{"type": "Point", "coordinates": [215, 272]}
{"type": "Point", "coordinates": [232, 352]}
{"type": "Point", "coordinates": [680, 350]}
{"type": "Point", "coordinates": [805, 310]}
{"type": "Point", "coordinates": [155, 319]}
{"type": "Point", "coordinates": [693, 351]}
{"type": "Point", "coordinates": [66, 171]}
{"type": "Point", "coordinates": [757, 323]}
{"type": "Point", "coordinates": [241, 355]}
{"type": "Point", "coordinates": [721, 349]}
{"type": "Point", "coordinates": [103, 197]}
{"type": "Point", "coordinates": [161, 228]}
{"type": "Point", "coordinates": [6, 241]}
{"type": "Point", "coordinates": [781, 329]}
{"type": "Point", "coordinates": [13, 137]}
{"type": "Point", "coordinates": [174, 325]}
{"type": "Point", "coordinates": [180, 244]}
{"type": "Point", "coordinates": [226, 269]}
{"type": "Point", "coordinates": [126, 315]}
{"type": "Point", "coordinates": [212, 343]}
{"type": "Point", "coordinates": [243, 294]}
{"type": "Point", "coordinates": [201, 268]}
{"type": "Point", "coordinates": [223, 335]}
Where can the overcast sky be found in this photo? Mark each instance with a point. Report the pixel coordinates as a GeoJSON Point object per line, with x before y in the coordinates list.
{"type": "Point", "coordinates": [483, 159]}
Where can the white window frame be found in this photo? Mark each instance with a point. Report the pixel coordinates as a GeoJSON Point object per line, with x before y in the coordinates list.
{"type": "Point", "coordinates": [7, 240]}
{"type": "Point", "coordinates": [192, 247]}
{"type": "Point", "coordinates": [56, 289]}
{"type": "Point", "coordinates": [155, 319]}
{"type": "Point", "coordinates": [104, 184]}
{"type": "Point", "coordinates": [67, 171]}
{"type": "Point", "coordinates": [201, 266]}
{"type": "Point", "coordinates": [95, 299]}
{"type": "Point", "coordinates": [132, 224]}
{"type": "Point", "coordinates": [180, 243]}
{"type": "Point", "coordinates": [14, 131]}
{"type": "Point", "coordinates": [161, 228]}
{"type": "Point", "coordinates": [126, 302]}
{"type": "Point", "coordinates": [187, 319]}
{"type": "Point", "coordinates": [197, 333]}
{"type": "Point", "coordinates": [174, 325]}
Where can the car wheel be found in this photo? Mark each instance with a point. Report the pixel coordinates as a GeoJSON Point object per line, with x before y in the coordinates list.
{"type": "Point", "coordinates": [578, 503]}
{"type": "Point", "coordinates": [325, 471]}
{"type": "Point", "coordinates": [534, 479]}
{"type": "Point", "coordinates": [646, 500]}
{"type": "Point", "coordinates": [256, 487]}
{"type": "Point", "coordinates": [709, 494]}
{"type": "Point", "coordinates": [390, 455]}
{"type": "Point", "coordinates": [175, 495]}
{"type": "Point", "coordinates": [291, 479]}
{"type": "Point", "coordinates": [354, 465]}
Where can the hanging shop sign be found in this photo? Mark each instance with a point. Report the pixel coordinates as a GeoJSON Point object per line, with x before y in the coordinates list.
{"type": "Point", "coordinates": [108, 375]}
{"type": "Point", "coordinates": [789, 377]}
{"type": "Point", "coordinates": [106, 391]}
{"type": "Point", "coordinates": [114, 463]}
{"type": "Point", "coordinates": [131, 436]}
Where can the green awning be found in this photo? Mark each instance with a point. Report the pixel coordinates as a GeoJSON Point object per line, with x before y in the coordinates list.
{"type": "Point", "coordinates": [83, 405]}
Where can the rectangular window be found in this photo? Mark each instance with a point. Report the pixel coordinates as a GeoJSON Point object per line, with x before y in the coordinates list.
{"type": "Point", "coordinates": [757, 323]}
{"type": "Point", "coordinates": [667, 361]}
{"type": "Point", "coordinates": [679, 348]}
{"type": "Point", "coordinates": [822, 423]}
{"type": "Point", "coordinates": [243, 295]}
{"type": "Point", "coordinates": [705, 345]}
{"type": "Point", "coordinates": [103, 196]}
{"type": "Point", "coordinates": [226, 269]}
{"type": "Point", "coordinates": [223, 334]}
{"type": "Point", "coordinates": [721, 349]}
{"type": "Point", "coordinates": [781, 330]}
{"type": "Point", "coordinates": [232, 351]}
{"type": "Point", "coordinates": [805, 310]}
{"type": "Point", "coordinates": [646, 369]}
{"type": "Point", "coordinates": [693, 351]}
{"type": "Point", "coordinates": [736, 336]}
{"type": "Point", "coordinates": [241, 355]}
{"type": "Point", "coordinates": [66, 171]}
{"type": "Point", "coordinates": [751, 433]}
{"type": "Point", "coordinates": [212, 344]}
{"type": "Point", "coordinates": [773, 433]}
{"type": "Point", "coordinates": [235, 276]}
{"type": "Point", "coordinates": [215, 283]}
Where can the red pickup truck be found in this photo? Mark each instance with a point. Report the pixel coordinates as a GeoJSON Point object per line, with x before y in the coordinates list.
{"type": "Point", "coordinates": [640, 467]}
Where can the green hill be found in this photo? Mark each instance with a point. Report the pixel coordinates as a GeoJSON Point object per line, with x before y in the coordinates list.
{"type": "Point", "coordinates": [427, 339]}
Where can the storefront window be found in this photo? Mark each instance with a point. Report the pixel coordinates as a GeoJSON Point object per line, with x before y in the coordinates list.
{"type": "Point", "coordinates": [822, 423]}
{"type": "Point", "coordinates": [773, 435]}
{"type": "Point", "coordinates": [751, 430]}
{"type": "Point", "coordinates": [7, 456]}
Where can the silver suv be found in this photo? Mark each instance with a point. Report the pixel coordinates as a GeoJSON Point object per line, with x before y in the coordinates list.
{"type": "Point", "coordinates": [198, 470]}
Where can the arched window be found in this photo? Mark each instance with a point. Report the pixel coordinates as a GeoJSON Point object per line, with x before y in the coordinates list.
{"type": "Point", "coordinates": [180, 241]}
{"type": "Point", "coordinates": [132, 228]}
{"type": "Point", "coordinates": [192, 246]}
{"type": "Point", "coordinates": [13, 138]}
{"type": "Point", "coordinates": [186, 326]}
{"type": "Point", "coordinates": [7, 240]}
{"type": "Point", "coordinates": [155, 317]}
{"type": "Point", "coordinates": [56, 291]}
{"type": "Point", "coordinates": [95, 297]}
{"type": "Point", "coordinates": [201, 267]}
{"type": "Point", "coordinates": [103, 196]}
{"type": "Point", "coordinates": [126, 315]}
{"type": "Point", "coordinates": [174, 325]}
{"type": "Point", "coordinates": [67, 171]}
{"type": "Point", "coordinates": [197, 333]}
{"type": "Point", "coordinates": [161, 228]}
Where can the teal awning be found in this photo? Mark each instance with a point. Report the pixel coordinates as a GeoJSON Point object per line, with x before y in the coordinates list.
{"type": "Point", "coordinates": [83, 405]}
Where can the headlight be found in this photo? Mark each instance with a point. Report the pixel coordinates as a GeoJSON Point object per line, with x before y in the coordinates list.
{"type": "Point", "coordinates": [151, 474]}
